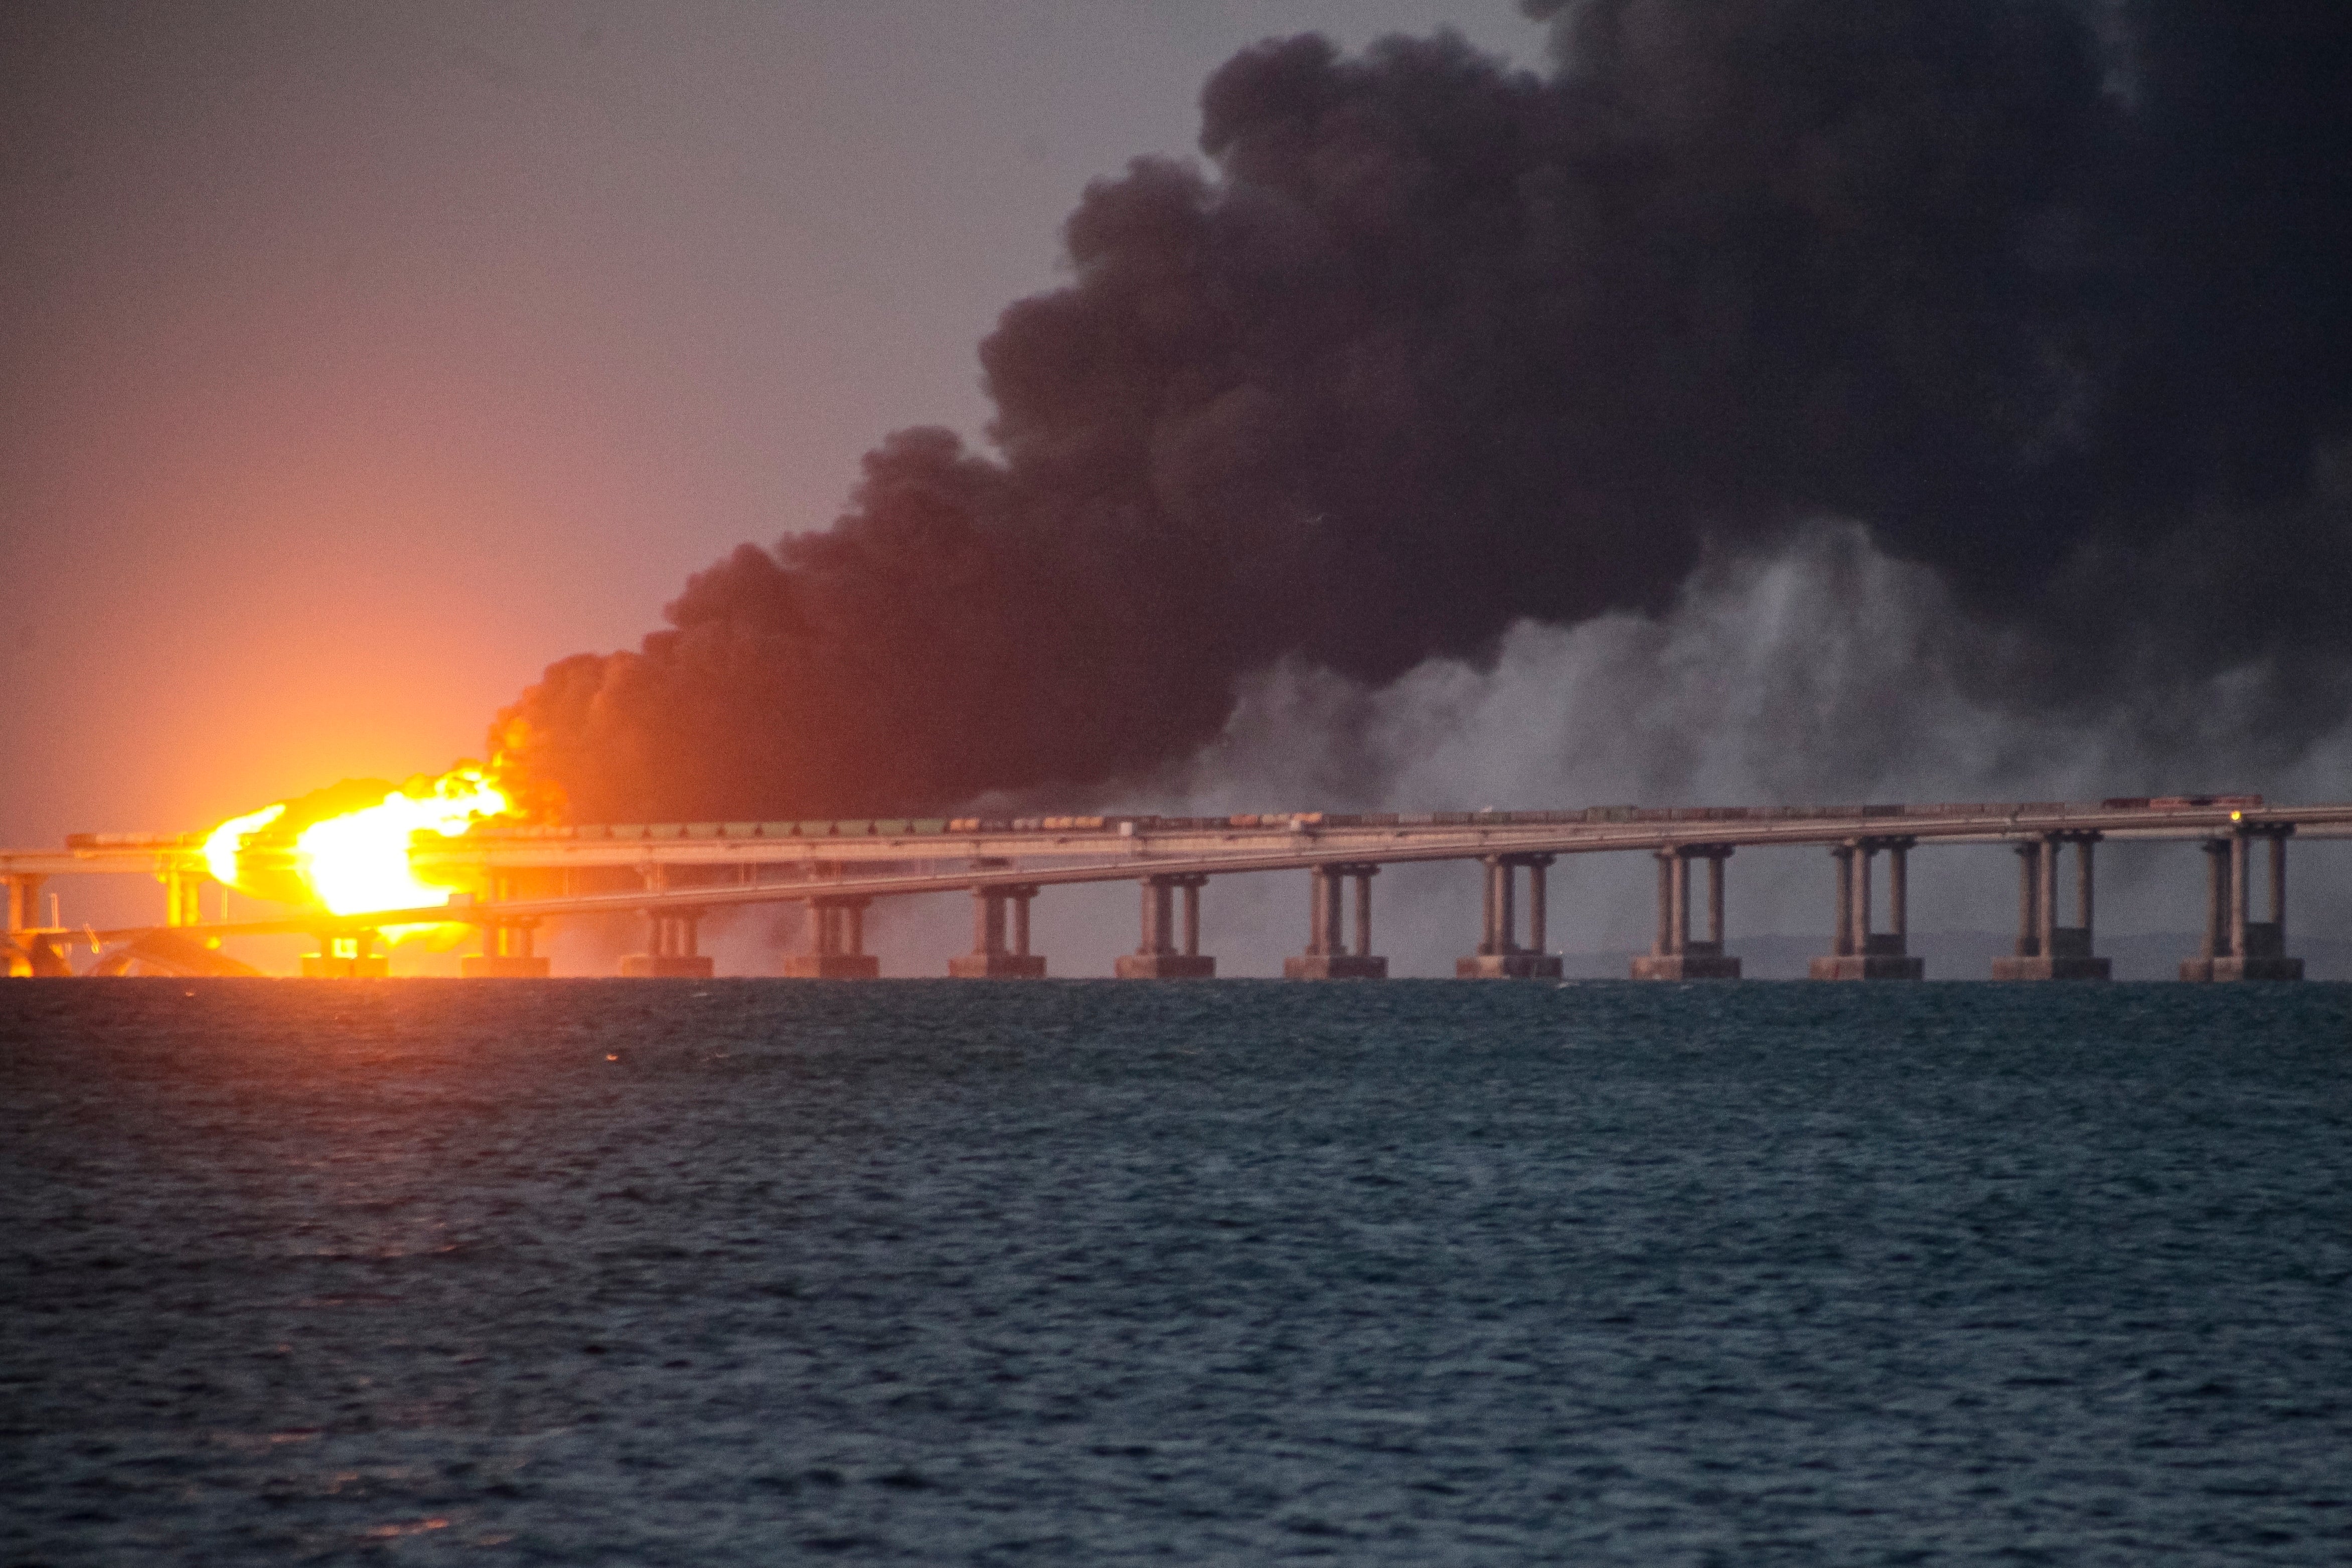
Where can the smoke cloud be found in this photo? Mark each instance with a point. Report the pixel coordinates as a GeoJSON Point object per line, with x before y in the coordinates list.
{"type": "Point", "coordinates": [2042, 297]}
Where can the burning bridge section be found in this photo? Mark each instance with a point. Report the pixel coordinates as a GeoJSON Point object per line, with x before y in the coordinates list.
{"type": "Point", "coordinates": [463, 866]}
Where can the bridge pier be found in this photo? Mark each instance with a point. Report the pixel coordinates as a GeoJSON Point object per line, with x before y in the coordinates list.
{"type": "Point", "coordinates": [676, 952]}
{"type": "Point", "coordinates": [836, 943]}
{"type": "Point", "coordinates": [674, 936]}
{"type": "Point", "coordinates": [349, 957]}
{"type": "Point", "coordinates": [2046, 950]}
{"type": "Point", "coordinates": [27, 955]}
{"type": "Point", "coordinates": [182, 895]}
{"type": "Point", "coordinates": [506, 945]}
{"type": "Point", "coordinates": [1157, 955]}
{"type": "Point", "coordinates": [1499, 954]}
{"type": "Point", "coordinates": [1674, 953]}
{"type": "Point", "coordinates": [1859, 952]}
{"type": "Point", "coordinates": [1328, 956]}
{"type": "Point", "coordinates": [994, 956]}
{"type": "Point", "coordinates": [2236, 946]}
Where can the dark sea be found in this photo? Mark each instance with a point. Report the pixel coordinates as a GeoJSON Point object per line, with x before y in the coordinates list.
{"type": "Point", "coordinates": [757, 1271]}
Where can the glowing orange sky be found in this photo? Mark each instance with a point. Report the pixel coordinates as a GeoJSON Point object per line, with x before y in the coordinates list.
{"type": "Point", "coordinates": [356, 363]}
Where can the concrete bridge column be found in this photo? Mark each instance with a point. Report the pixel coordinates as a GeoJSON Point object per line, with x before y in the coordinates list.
{"type": "Point", "coordinates": [1677, 955]}
{"type": "Point", "coordinates": [2239, 947]}
{"type": "Point", "coordinates": [676, 935]}
{"type": "Point", "coordinates": [26, 955]}
{"type": "Point", "coordinates": [2029, 900]}
{"type": "Point", "coordinates": [836, 948]}
{"type": "Point", "coordinates": [1715, 896]}
{"type": "Point", "coordinates": [672, 956]}
{"type": "Point", "coordinates": [2056, 951]}
{"type": "Point", "coordinates": [1020, 899]}
{"type": "Point", "coordinates": [1326, 956]}
{"type": "Point", "coordinates": [350, 956]}
{"type": "Point", "coordinates": [1844, 944]}
{"type": "Point", "coordinates": [1156, 956]}
{"type": "Point", "coordinates": [1864, 955]}
{"type": "Point", "coordinates": [996, 955]}
{"type": "Point", "coordinates": [506, 945]}
{"type": "Point", "coordinates": [184, 891]}
{"type": "Point", "coordinates": [1499, 955]}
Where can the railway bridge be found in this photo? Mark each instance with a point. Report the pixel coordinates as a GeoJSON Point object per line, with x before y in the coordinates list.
{"type": "Point", "coordinates": [513, 879]}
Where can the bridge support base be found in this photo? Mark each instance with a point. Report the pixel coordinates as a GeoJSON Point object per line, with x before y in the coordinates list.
{"type": "Point", "coordinates": [1675, 955]}
{"type": "Point", "coordinates": [1160, 955]}
{"type": "Point", "coordinates": [502, 966]}
{"type": "Point", "coordinates": [831, 966]}
{"type": "Point", "coordinates": [2238, 946]}
{"type": "Point", "coordinates": [346, 958]}
{"type": "Point", "coordinates": [1165, 966]}
{"type": "Point", "coordinates": [1499, 954]}
{"type": "Point", "coordinates": [1862, 954]}
{"type": "Point", "coordinates": [665, 966]}
{"type": "Point", "coordinates": [836, 943]}
{"type": "Point", "coordinates": [1335, 966]}
{"type": "Point", "coordinates": [2242, 969]}
{"type": "Point", "coordinates": [1000, 937]}
{"type": "Point", "coordinates": [327, 966]}
{"type": "Point", "coordinates": [1328, 955]}
{"type": "Point", "coordinates": [1686, 966]}
{"type": "Point", "coordinates": [1868, 966]}
{"type": "Point", "coordinates": [997, 966]}
{"type": "Point", "coordinates": [1508, 966]}
{"type": "Point", "coordinates": [2063, 967]}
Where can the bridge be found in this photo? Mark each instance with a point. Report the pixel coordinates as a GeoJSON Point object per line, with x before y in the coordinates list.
{"type": "Point", "coordinates": [674, 875]}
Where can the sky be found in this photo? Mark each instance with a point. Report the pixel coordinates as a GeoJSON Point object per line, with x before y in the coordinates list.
{"type": "Point", "coordinates": [355, 362]}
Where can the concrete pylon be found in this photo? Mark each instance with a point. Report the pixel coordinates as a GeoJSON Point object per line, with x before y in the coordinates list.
{"type": "Point", "coordinates": [1168, 951]}
{"type": "Point", "coordinates": [506, 945]}
{"type": "Point", "coordinates": [1674, 953]}
{"type": "Point", "coordinates": [2237, 947]}
{"type": "Point", "coordinates": [351, 957]}
{"type": "Point", "coordinates": [675, 933]}
{"type": "Point", "coordinates": [27, 954]}
{"type": "Point", "coordinates": [1859, 952]}
{"type": "Point", "coordinates": [1499, 954]}
{"type": "Point", "coordinates": [2046, 950]}
{"type": "Point", "coordinates": [1000, 938]}
{"type": "Point", "coordinates": [183, 886]}
{"type": "Point", "coordinates": [1328, 957]}
{"type": "Point", "coordinates": [836, 943]}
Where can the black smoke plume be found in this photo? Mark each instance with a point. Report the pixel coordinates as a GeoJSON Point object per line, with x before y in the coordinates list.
{"type": "Point", "coordinates": [2049, 296]}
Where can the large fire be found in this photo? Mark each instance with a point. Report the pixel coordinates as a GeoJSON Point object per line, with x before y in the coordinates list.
{"type": "Point", "coordinates": [347, 849]}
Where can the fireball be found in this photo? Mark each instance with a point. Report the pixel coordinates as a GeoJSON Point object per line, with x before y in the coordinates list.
{"type": "Point", "coordinates": [358, 861]}
{"type": "Point", "coordinates": [227, 841]}
{"type": "Point", "coordinates": [346, 848]}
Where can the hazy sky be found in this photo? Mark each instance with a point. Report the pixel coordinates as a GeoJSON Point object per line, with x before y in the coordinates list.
{"type": "Point", "coordinates": [357, 361]}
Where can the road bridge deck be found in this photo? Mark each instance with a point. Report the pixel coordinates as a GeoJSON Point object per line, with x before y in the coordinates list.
{"type": "Point", "coordinates": [943, 854]}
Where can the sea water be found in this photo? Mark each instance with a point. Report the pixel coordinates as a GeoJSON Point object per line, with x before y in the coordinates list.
{"type": "Point", "coordinates": [1412, 1272]}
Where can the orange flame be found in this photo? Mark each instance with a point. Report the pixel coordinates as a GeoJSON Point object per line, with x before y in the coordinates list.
{"type": "Point", "coordinates": [356, 860]}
